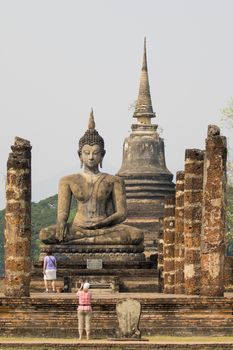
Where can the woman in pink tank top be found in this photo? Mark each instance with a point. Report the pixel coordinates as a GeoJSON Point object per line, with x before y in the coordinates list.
{"type": "Point", "coordinates": [84, 310]}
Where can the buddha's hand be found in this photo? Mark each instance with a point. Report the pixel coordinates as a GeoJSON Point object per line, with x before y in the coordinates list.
{"type": "Point", "coordinates": [92, 225]}
{"type": "Point", "coordinates": [61, 230]}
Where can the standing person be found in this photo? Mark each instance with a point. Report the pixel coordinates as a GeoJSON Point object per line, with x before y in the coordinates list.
{"type": "Point", "coordinates": [84, 310]}
{"type": "Point", "coordinates": [50, 271]}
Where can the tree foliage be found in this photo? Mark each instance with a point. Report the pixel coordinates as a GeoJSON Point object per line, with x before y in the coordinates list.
{"type": "Point", "coordinates": [227, 117]}
{"type": "Point", "coordinates": [227, 113]}
{"type": "Point", "coordinates": [43, 214]}
{"type": "Point", "coordinates": [229, 233]}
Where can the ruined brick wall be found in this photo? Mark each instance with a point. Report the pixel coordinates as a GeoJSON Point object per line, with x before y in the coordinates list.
{"type": "Point", "coordinates": [18, 220]}
{"type": "Point", "coordinates": [179, 234]}
{"type": "Point", "coordinates": [214, 209]}
{"type": "Point", "coordinates": [199, 246]}
{"type": "Point", "coordinates": [169, 245]}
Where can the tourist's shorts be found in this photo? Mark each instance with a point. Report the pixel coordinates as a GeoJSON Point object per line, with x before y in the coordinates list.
{"type": "Point", "coordinates": [50, 275]}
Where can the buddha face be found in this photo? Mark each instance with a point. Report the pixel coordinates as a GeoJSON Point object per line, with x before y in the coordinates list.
{"type": "Point", "coordinates": [91, 156]}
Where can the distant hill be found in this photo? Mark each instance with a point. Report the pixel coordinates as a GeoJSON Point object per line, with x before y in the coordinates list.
{"type": "Point", "coordinates": [44, 214]}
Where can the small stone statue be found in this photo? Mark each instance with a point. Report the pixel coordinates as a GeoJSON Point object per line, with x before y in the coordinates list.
{"type": "Point", "coordinates": [101, 202]}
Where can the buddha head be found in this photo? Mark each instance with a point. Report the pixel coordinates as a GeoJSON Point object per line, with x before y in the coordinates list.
{"type": "Point", "coordinates": [91, 146]}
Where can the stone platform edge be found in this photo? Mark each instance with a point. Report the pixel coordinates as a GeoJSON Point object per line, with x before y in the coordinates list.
{"type": "Point", "coordinates": [97, 345]}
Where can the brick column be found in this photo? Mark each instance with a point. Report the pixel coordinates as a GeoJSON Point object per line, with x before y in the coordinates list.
{"type": "Point", "coordinates": [214, 210]}
{"type": "Point", "coordinates": [168, 244]}
{"type": "Point", "coordinates": [193, 187]}
{"type": "Point", "coordinates": [179, 234]}
{"type": "Point", "coordinates": [160, 256]}
{"type": "Point", "coordinates": [18, 220]}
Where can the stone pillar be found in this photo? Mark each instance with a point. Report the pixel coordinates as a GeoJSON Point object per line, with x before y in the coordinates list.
{"type": "Point", "coordinates": [193, 187]}
{"type": "Point", "coordinates": [160, 256]}
{"type": "Point", "coordinates": [179, 234]}
{"type": "Point", "coordinates": [168, 245]}
{"type": "Point", "coordinates": [18, 220]}
{"type": "Point", "coordinates": [214, 210]}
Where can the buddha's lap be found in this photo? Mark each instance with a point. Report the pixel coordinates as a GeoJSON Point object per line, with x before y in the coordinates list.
{"type": "Point", "coordinates": [118, 232]}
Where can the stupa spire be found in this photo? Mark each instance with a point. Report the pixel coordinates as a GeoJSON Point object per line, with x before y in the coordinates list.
{"type": "Point", "coordinates": [144, 110]}
{"type": "Point", "coordinates": [91, 122]}
{"type": "Point", "coordinates": [144, 63]}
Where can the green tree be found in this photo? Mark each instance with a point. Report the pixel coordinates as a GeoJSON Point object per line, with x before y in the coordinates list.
{"type": "Point", "coordinates": [229, 233]}
{"type": "Point", "coordinates": [43, 214]}
{"type": "Point", "coordinates": [227, 117]}
{"type": "Point", "coordinates": [227, 113]}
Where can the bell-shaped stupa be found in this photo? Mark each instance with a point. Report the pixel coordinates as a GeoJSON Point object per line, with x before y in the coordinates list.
{"type": "Point", "coordinates": [147, 179]}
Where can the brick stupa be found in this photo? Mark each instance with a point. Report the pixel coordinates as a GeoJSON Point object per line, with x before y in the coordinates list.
{"type": "Point", "coordinates": [147, 179]}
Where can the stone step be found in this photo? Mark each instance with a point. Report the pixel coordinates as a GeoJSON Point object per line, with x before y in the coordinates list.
{"type": "Point", "coordinates": [55, 315]}
{"type": "Point", "coordinates": [146, 269]}
{"type": "Point", "coordinates": [38, 286]}
{"type": "Point", "coordinates": [118, 269]}
{"type": "Point", "coordinates": [111, 283]}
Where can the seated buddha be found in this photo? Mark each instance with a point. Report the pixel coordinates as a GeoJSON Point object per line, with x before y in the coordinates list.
{"type": "Point", "coordinates": [101, 202]}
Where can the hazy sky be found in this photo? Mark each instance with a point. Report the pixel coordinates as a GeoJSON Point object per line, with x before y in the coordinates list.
{"type": "Point", "coordinates": [59, 58]}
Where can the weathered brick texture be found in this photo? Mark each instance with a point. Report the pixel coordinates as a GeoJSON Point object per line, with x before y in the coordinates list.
{"type": "Point", "coordinates": [56, 316]}
{"type": "Point", "coordinates": [169, 245]}
{"type": "Point", "coordinates": [214, 208]}
{"type": "Point", "coordinates": [18, 220]}
{"type": "Point", "coordinates": [160, 256]}
{"type": "Point", "coordinates": [193, 189]}
{"type": "Point", "coordinates": [179, 234]}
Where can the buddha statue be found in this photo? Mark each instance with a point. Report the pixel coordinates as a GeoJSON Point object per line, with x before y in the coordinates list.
{"type": "Point", "coordinates": [101, 204]}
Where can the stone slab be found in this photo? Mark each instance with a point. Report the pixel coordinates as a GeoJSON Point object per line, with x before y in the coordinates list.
{"type": "Point", "coordinates": [128, 316]}
{"type": "Point", "coordinates": [94, 264]}
{"type": "Point", "coordinates": [127, 339]}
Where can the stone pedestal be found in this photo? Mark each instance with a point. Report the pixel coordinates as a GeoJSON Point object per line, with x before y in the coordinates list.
{"type": "Point", "coordinates": [193, 187]}
{"type": "Point", "coordinates": [125, 267]}
{"type": "Point", "coordinates": [123, 263]}
{"type": "Point", "coordinates": [77, 255]}
{"type": "Point", "coordinates": [18, 220]}
{"type": "Point", "coordinates": [214, 208]}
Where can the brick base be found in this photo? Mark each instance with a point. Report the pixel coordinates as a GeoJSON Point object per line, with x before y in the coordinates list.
{"type": "Point", "coordinates": [55, 315]}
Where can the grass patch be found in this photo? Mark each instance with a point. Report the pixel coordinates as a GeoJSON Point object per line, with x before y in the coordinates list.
{"type": "Point", "coordinates": [191, 339]}
{"type": "Point", "coordinates": [155, 339]}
